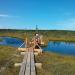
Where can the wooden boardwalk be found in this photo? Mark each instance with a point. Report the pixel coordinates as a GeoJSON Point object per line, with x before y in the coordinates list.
{"type": "Point", "coordinates": [28, 64]}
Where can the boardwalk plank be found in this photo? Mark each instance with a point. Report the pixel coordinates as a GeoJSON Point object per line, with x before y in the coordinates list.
{"type": "Point", "coordinates": [28, 64]}
{"type": "Point", "coordinates": [33, 72]}
{"type": "Point", "coordinates": [22, 69]}
{"type": "Point", "coordinates": [27, 72]}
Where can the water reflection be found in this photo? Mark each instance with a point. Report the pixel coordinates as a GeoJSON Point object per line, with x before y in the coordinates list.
{"type": "Point", "coordinates": [61, 47]}
{"type": "Point", "coordinates": [8, 41]}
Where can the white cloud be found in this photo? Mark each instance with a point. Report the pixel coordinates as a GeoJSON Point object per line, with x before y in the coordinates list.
{"type": "Point", "coordinates": [3, 15]}
{"type": "Point", "coordinates": [68, 24]}
{"type": "Point", "coordinates": [6, 15]}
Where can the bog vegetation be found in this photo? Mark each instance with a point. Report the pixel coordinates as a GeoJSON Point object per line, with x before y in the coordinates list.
{"type": "Point", "coordinates": [8, 57]}
{"type": "Point", "coordinates": [48, 35]}
{"type": "Point", "coordinates": [53, 64]}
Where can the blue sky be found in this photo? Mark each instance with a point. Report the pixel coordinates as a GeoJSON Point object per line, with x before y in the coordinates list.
{"type": "Point", "coordinates": [47, 14]}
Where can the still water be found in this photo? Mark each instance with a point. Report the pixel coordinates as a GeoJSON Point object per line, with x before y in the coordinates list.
{"type": "Point", "coordinates": [66, 48]}
{"type": "Point", "coordinates": [8, 41]}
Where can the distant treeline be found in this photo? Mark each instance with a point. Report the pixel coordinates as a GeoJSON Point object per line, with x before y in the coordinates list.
{"type": "Point", "coordinates": [48, 35]}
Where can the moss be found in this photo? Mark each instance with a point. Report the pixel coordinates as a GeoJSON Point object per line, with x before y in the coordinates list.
{"type": "Point", "coordinates": [8, 57]}
{"type": "Point", "coordinates": [55, 64]}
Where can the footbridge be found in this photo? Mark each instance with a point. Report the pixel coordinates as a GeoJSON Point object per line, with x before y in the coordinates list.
{"type": "Point", "coordinates": [28, 65]}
